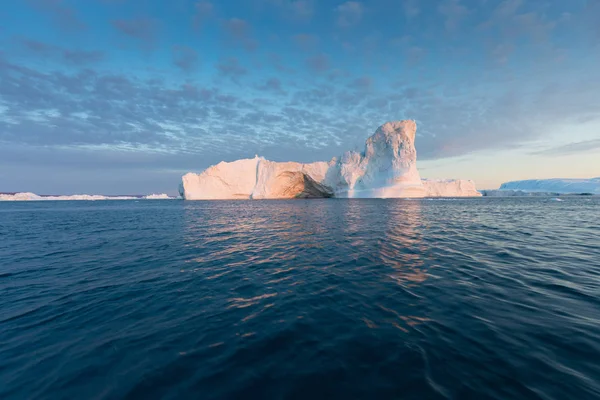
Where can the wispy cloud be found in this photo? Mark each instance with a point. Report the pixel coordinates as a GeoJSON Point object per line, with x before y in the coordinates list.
{"type": "Point", "coordinates": [349, 13]}
{"type": "Point", "coordinates": [454, 12]}
{"type": "Point", "coordinates": [202, 11]}
{"type": "Point", "coordinates": [301, 10]}
{"type": "Point", "coordinates": [273, 85]}
{"type": "Point", "coordinates": [239, 32]}
{"type": "Point", "coordinates": [362, 84]}
{"type": "Point", "coordinates": [318, 62]}
{"type": "Point", "coordinates": [185, 58]}
{"type": "Point", "coordinates": [507, 8]}
{"type": "Point", "coordinates": [144, 30]}
{"type": "Point", "coordinates": [69, 56]}
{"type": "Point", "coordinates": [411, 8]}
{"type": "Point", "coordinates": [306, 42]}
{"type": "Point", "coordinates": [231, 68]}
{"type": "Point", "coordinates": [64, 16]}
{"type": "Point", "coordinates": [571, 148]}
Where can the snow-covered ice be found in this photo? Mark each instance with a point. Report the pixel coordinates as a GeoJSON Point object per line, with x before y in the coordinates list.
{"type": "Point", "coordinates": [387, 168]}
{"type": "Point", "coordinates": [450, 188]}
{"type": "Point", "coordinates": [28, 196]}
{"type": "Point", "coordinates": [555, 185]}
{"type": "Point", "coordinates": [161, 196]}
{"type": "Point", "coordinates": [226, 180]}
{"type": "Point", "coordinates": [514, 193]}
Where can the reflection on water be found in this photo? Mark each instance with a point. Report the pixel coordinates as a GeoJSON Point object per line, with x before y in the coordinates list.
{"type": "Point", "coordinates": [403, 248]}
{"type": "Point", "coordinates": [419, 299]}
{"type": "Point", "coordinates": [267, 253]}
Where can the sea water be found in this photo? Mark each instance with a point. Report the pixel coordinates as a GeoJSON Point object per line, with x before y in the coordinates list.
{"type": "Point", "coordinates": [485, 298]}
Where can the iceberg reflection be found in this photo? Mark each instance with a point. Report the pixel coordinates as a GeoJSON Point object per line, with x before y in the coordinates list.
{"type": "Point", "coordinates": [403, 247]}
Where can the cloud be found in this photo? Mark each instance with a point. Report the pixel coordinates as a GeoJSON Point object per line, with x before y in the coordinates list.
{"type": "Point", "coordinates": [109, 120]}
{"type": "Point", "coordinates": [571, 148]}
{"type": "Point", "coordinates": [239, 32]}
{"type": "Point", "coordinates": [237, 28]}
{"type": "Point", "coordinates": [185, 58]}
{"type": "Point", "coordinates": [202, 10]}
{"type": "Point", "coordinates": [415, 54]}
{"type": "Point", "coordinates": [95, 109]}
{"type": "Point", "coordinates": [231, 68]}
{"type": "Point", "coordinates": [277, 63]}
{"type": "Point", "coordinates": [301, 10]}
{"type": "Point", "coordinates": [536, 26]}
{"type": "Point", "coordinates": [592, 15]}
{"type": "Point", "coordinates": [38, 47]}
{"type": "Point", "coordinates": [307, 115]}
{"type": "Point", "coordinates": [318, 63]}
{"type": "Point", "coordinates": [411, 9]}
{"type": "Point", "coordinates": [349, 14]}
{"type": "Point", "coordinates": [361, 84]}
{"type": "Point", "coordinates": [306, 42]}
{"type": "Point", "coordinates": [64, 16]}
{"type": "Point", "coordinates": [507, 8]}
{"type": "Point", "coordinates": [57, 94]}
{"type": "Point", "coordinates": [68, 56]}
{"type": "Point", "coordinates": [400, 41]}
{"type": "Point", "coordinates": [337, 73]}
{"type": "Point", "coordinates": [272, 85]}
{"type": "Point", "coordinates": [83, 56]}
{"type": "Point", "coordinates": [142, 29]}
{"type": "Point", "coordinates": [510, 25]}
{"type": "Point", "coordinates": [501, 52]}
{"type": "Point", "coordinates": [454, 13]}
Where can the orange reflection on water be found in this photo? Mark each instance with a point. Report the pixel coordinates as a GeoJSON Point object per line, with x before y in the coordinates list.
{"type": "Point", "coordinates": [403, 246]}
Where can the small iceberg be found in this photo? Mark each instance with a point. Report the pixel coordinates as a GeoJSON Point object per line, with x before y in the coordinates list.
{"type": "Point", "coordinates": [28, 196]}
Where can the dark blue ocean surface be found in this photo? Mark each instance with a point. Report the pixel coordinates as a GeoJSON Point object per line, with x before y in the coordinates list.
{"type": "Point", "coordinates": [411, 299]}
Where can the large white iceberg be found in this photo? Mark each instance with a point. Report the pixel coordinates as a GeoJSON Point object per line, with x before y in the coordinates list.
{"type": "Point", "coordinates": [386, 169]}
{"type": "Point", "coordinates": [591, 186]}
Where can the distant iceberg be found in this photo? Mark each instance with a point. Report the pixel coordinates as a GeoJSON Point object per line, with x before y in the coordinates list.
{"type": "Point", "coordinates": [162, 196]}
{"type": "Point", "coordinates": [387, 168]}
{"type": "Point", "coordinates": [28, 196]}
{"type": "Point", "coordinates": [515, 193]}
{"type": "Point", "coordinates": [562, 186]}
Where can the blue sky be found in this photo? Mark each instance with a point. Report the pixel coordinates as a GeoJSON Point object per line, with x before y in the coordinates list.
{"type": "Point", "coordinates": [125, 96]}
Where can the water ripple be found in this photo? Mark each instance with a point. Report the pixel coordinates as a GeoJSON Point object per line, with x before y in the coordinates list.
{"type": "Point", "coordinates": [469, 298]}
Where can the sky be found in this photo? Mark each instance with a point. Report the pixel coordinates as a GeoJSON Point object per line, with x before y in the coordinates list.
{"type": "Point", "coordinates": [125, 96]}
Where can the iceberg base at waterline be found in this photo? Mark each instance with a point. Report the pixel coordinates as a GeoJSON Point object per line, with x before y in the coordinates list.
{"type": "Point", "coordinates": [387, 168]}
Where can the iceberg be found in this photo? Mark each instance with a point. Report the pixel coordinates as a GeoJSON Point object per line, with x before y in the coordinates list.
{"type": "Point", "coordinates": [161, 196]}
{"type": "Point", "coordinates": [450, 188]}
{"type": "Point", "coordinates": [291, 180]}
{"type": "Point", "coordinates": [515, 193]}
{"type": "Point", "coordinates": [563, 186]}
{"type": "Point", "coordinates": [387, 168]}
{"type": "Point", "coordinates": [28, 196]}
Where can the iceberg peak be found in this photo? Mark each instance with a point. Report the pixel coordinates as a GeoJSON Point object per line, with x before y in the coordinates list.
{"type": "Point", "coordinates": [407, 127]}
